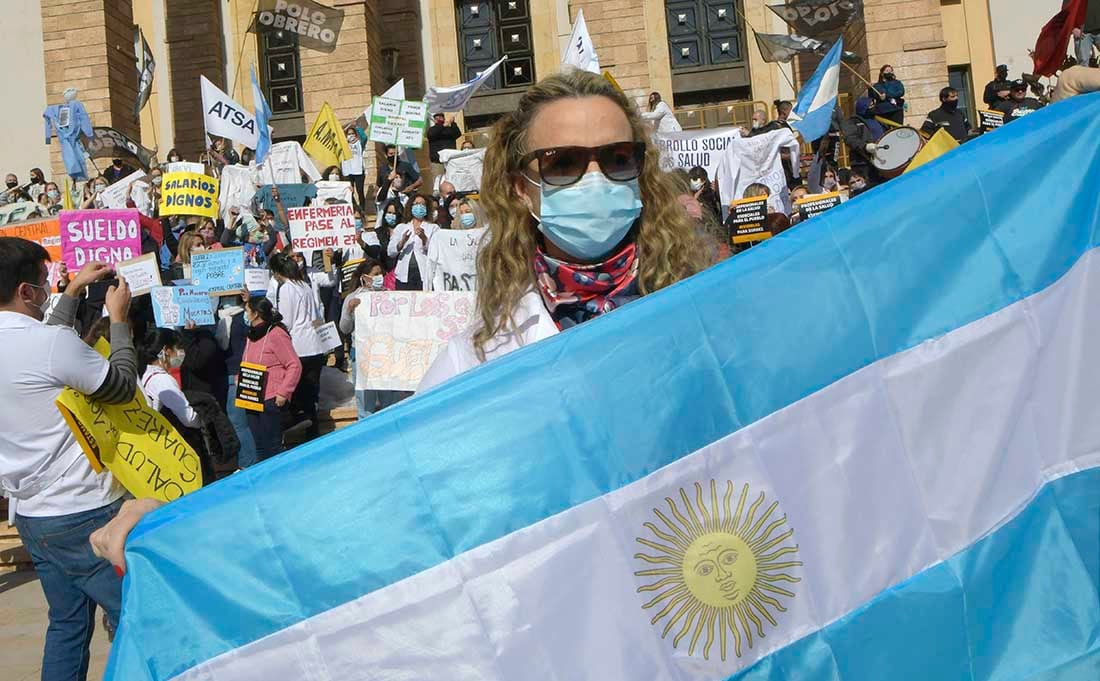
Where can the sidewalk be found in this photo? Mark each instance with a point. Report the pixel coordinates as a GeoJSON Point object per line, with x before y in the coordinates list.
{"type": "Point", "coordinates": [23, 628]}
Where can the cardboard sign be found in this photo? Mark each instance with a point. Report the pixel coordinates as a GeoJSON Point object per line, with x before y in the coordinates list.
{"type": "Point", "coordinates": [347, 276]}
{"type": "Point", "coordinates": [748, 219]}
{"type": "Point", "coordinates": [176, 305]}
{"type": "Point", "coordinates": [990, 120]}
{"type": "Point", "coordinates": [329, 336]}
{"type": "Point", "coordinates": [314, 228]}
{"type": "Point", "coordinates": [116, 195]}
{"type": "Point", "coordinates": [220, 273]}
{"type": "Point", "coordinates": [398, 121]}
{"type": "Point", "coordinates": [45, 233]}
{"type": "Point", "coordinates": [251, 382]}
{"type": "Point", "coordinates": [398, 335]}
{"type": "Point", "coordinates": [142, 274]}
{"type": "Point", "coordinates": [317, 26]}
{"type": "Point", "coordinates": [256, 280]}
{"type": "Point", "coordinates": [107, 236]}
{"type": "Point", "coordinates": [189, 194]}
{"type": "Point", "coordinates": [816, 204]}
{"type": "Point", "coordinates": [136, 443]}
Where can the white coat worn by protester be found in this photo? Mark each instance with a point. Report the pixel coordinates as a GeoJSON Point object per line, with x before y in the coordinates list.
{"type": "Point", "coordinates": [533, 323]}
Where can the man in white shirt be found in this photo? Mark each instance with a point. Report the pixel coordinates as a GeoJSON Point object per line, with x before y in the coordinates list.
{"type": "Point", "coordinates": [59, 499]}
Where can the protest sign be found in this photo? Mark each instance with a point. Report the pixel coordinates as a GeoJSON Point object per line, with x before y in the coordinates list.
{"type": "Point", "coordinates": [251, 382]}
{"type": "Point", "coordinates": [398, 335]}
{"type": "Point", "coordinates": [695, 148]}
{"type": "Point", "coordinates": [256, 274]}
{"type": "Point", "coordinates": [45, 233]}
{"type": "Point", "coordinates": [116, 195]}
{"type": "Point", "coordinates": [816, 204]}
{"type": "Point", "coordinates": [141, 274]}
{"type": "Point", "coordinates": [184, 167]}
{"type": "Point", "coordinates": [189, 194]}
{"type": "Point", "coordinates": [452, 259]}
{"type": "Point", "coordinates": [136, 443]}
{"type": "Point", "coordinates": [326, 140]}
{"type": "Point", "coordinates": [315, 228]}
{"type": "Point", "coordinates": [219, 273]}
{"type": "Point", "coordinates": [317, 26]}
{"type": "Point", "coordinates": [339, 190]}
{"type": "Point", "coordinates": [748, 220]}
{"type": "Point", "coordinates": [454, 98]}
{"type": "Point", "coordinates": [110, 143]}
{"type": "Point", "coordinates": [223, 117]}
{"type": "Point", "coordinates": [989, 121]}
{"type": "Point", "coordinates": [347, 276]}
{"type": "Point", "coordinates": [109, 236]}
{"type": "Point", "coordinates": [329, 337]}
{"type": "Point", "coordinates": [398, 121]}
{"type": "Point", "coordinates": [18, 211]}
{"type": "Point", "coordinates": [177, 305]}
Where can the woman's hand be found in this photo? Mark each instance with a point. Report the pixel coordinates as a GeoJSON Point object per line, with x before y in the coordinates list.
{"type": "Point", "coordinates": [353, 303]}
{"type": "Point", "coordinates": [280, 401]}
{"type": "Point", "coordinates": [109, 541]}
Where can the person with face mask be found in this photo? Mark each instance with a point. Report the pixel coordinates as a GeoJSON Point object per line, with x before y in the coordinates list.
{"type": "Point", "coordinates": [51, 198]}
{"type": "Point", "coordinates": [298, 303]}
{"type": "Point", "coordinates": [369, 278]}
{"type": "Point", "coordinates": [857, 183]}
{"type": "Point", "coordinates": [37, 187]}
{"type": "Point", "coordinates": [580, 222]}
{"type": "Point", "coordinates": [161, 352]}
{"type": "Point", "coordinates": [230, 334]}
{"type": "Point", "coordinates": [12, 191]}
{"type": "Point", "coordinates": [704, 192]}
{"type": "Point", "coordinates": [174, 156]}
{"type": "Point", "coordinates": [994, 88]}
{"type": "Point", "coordinates": [269, 345]}
{"type": "Point", "coordinates": [660, 115]}
{"type": "Point", "coordinates": [93, 193]}
{"type": "Point", "coordinates": [409, 243]}
{"type": "Point", "coordinates": [59, 500]}
{"type": "Point", "coordinates": [948, 116]}
{"type": "Point", "coordinates": [1018, 104]}
{"type": "Point", "coordinates": [116, 171]}
{"type": "Point", "coordinates": [861, 133]}
{"type": "Point", "coordinates": [447, 198]}
{"type": "Point", "coordinates": [392, 167]}
{"type": "Point", "coordinates": [442, 134]}
{"type": "Point", "coordinates": [888, 96]}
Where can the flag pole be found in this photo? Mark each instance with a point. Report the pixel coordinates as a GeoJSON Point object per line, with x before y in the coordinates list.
{"type": "Point", "coordinates": [857, 74]}
{"type": "Point", "coordinates": [745, 19]}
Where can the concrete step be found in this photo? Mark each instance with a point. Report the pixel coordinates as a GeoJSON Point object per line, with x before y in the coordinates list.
{"type": "Point", "coordinates": [12, 553]}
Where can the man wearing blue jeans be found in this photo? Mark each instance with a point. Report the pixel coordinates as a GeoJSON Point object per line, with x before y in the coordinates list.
{"type": "Point", "coordinates": [59, 500]}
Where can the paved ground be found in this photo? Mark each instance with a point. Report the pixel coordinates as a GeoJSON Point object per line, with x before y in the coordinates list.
{"type": "Point", "coordinates": [23, 628]}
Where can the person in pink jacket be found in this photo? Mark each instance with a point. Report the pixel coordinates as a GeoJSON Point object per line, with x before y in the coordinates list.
{"type": "Point", "coordinates": [269, 346]}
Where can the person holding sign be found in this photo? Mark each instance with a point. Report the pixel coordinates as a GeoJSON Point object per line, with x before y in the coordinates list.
{"type": "Point", "coordinates": [581, 220]}
{"type": "Point", "coordinates": [161, 352]}
{"type": "Point", "coordinates": [298, 304]}
{"type": "Point", "coordinates": [368, 278]}
{"type": "Point", "coordinates": [58, 498]}
{"type": "Point", "coordinates": [409, 245]}
{"type": "Point", "coordinates": [269, 353]}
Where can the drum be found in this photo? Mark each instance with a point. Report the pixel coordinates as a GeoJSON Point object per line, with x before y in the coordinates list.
{"type": "Point", "coordinates": [896, 150]}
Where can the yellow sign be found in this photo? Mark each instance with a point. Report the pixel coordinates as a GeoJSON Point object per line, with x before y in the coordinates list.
{"type": "Point", "coordinates": [326, 141]}
{"type": "Point", "coordinates": [729, 568]}
{"type": "Point", "coordinates": [941, 143]}
{"type": "Point", "coordinates": [189, 194]}
{"type": "Point", "coordinates": [611, 79]}
{"type": "Point", "coordinates": [137, 444]}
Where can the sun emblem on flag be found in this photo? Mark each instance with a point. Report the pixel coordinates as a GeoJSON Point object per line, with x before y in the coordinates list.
{"type": "Point", "coordinates": [718, 574]}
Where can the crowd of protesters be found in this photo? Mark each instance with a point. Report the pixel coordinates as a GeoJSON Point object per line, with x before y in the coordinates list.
{"type": "Point", "coordinates": [581, 221]}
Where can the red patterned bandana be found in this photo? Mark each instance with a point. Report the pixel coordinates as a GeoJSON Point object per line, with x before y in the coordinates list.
{"type": "Point", "coordinates": [575, 293]}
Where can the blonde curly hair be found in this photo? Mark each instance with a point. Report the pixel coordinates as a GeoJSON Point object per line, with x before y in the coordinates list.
{"type": "Point", "coordinates": [669, 247]}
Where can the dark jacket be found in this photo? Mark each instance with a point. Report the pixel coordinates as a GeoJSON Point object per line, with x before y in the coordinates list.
{"type": "Point", "coordinates": [953, 121]}
{"type": "Point", "coordinates": [1013, 109]}
{"type": "Point", "coordinates": [203, 366]}
{"type": "Point", "coordinates": [442, 137]}
{"type": "Point", "coordinates": [888, 96]}
{"type": "Point", "coordinates": [218, 435]}
{"type": "Point", "coordinates": [990, 97]}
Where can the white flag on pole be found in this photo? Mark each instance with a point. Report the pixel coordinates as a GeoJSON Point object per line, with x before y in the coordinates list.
{"type": "Point", "coordinates": [454, 98]}
{"type": "Point", "coordinates": [224, 117]}
{"type": "Point", "coordinates": [580, 52]}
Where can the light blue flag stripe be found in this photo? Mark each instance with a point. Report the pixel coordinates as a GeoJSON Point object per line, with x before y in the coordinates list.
{"type": "Point", "coordinates": [598, 407]}
{"type": "Point", "coordinates": [1020, 601]}
{"type": "Point", "coordinates": [817, 99]}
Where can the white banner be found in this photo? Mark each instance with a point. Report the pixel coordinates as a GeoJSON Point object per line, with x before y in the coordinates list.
{"type": "Point", "coordinates": [452, 259]}
{"type": "Point", "coordinates": [580, 52]}
{"type": "Point", "coordinates": [703, 148]}
{"type": "Point", "coordinates": [454, 98]}
{"type": "Point", "coordinates": [398, 335]}
{"type": "Point", "coordinates": [224, 117]}
{"type": "Point", "coordinates": [116, 195]}
{"type": "Point", "coordinates": [332, 189]}
{"type": "Point", "coordinates": [757, 159]}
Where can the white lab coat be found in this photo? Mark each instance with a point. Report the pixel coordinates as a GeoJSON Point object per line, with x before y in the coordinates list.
{"type": "Point", "coordinates": [285, 163]}
{"type": "Point", "coordinates": [533, 322]}
{"type": "Point", "coordinates": [662, 118]}
{"type": "Point", "coordinates": [414, 248]}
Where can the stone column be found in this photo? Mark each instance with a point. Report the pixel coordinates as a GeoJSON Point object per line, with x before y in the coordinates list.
{"type": "Point", "coordinates": [909, 36]}
{"type": "Point", "coordinates": [196, 47]}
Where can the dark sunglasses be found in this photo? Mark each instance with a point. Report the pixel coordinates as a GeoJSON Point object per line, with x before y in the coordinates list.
{"type": "Point", "coordinates": [563, 166]}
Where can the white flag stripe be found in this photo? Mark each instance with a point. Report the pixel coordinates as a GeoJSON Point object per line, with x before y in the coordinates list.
{"type": "Point", "coordinates": [826, 93]}
{"type": "Point", "coordinates": [880, 475]}
{"type": "Point", "coordinates": [580, 52]}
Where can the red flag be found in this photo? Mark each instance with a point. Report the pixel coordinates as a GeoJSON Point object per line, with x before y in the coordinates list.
{"type": "Point", "coordinates": [1050, 48]}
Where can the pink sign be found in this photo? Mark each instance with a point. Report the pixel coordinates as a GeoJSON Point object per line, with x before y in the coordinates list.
{"type": "Point", "coordinates": [109, 236]}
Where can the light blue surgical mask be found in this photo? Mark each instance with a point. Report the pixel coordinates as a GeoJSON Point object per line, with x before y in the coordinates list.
{"type": "Point", "coordinates": [391, 219]}
{"type": "Point", "coordinates": [419, 211]}
{"type": "Point", "coordinates": [590, 217]}
{"type": "Point", "coordinates": [468, 220]}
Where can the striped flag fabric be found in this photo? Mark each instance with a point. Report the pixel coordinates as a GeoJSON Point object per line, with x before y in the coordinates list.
{"type": "Point", "coordinates": [866, 449]}
{"type": "Point", "coordinates": [813, 112]}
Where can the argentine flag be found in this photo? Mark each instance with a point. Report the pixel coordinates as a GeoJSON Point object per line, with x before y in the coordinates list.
{"type": "Point", "coordinates": [813, 112]}
{"type": "Point", "coordinates": [263, 120]}
{"type": "Point", "coordinates": [867, 449]}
